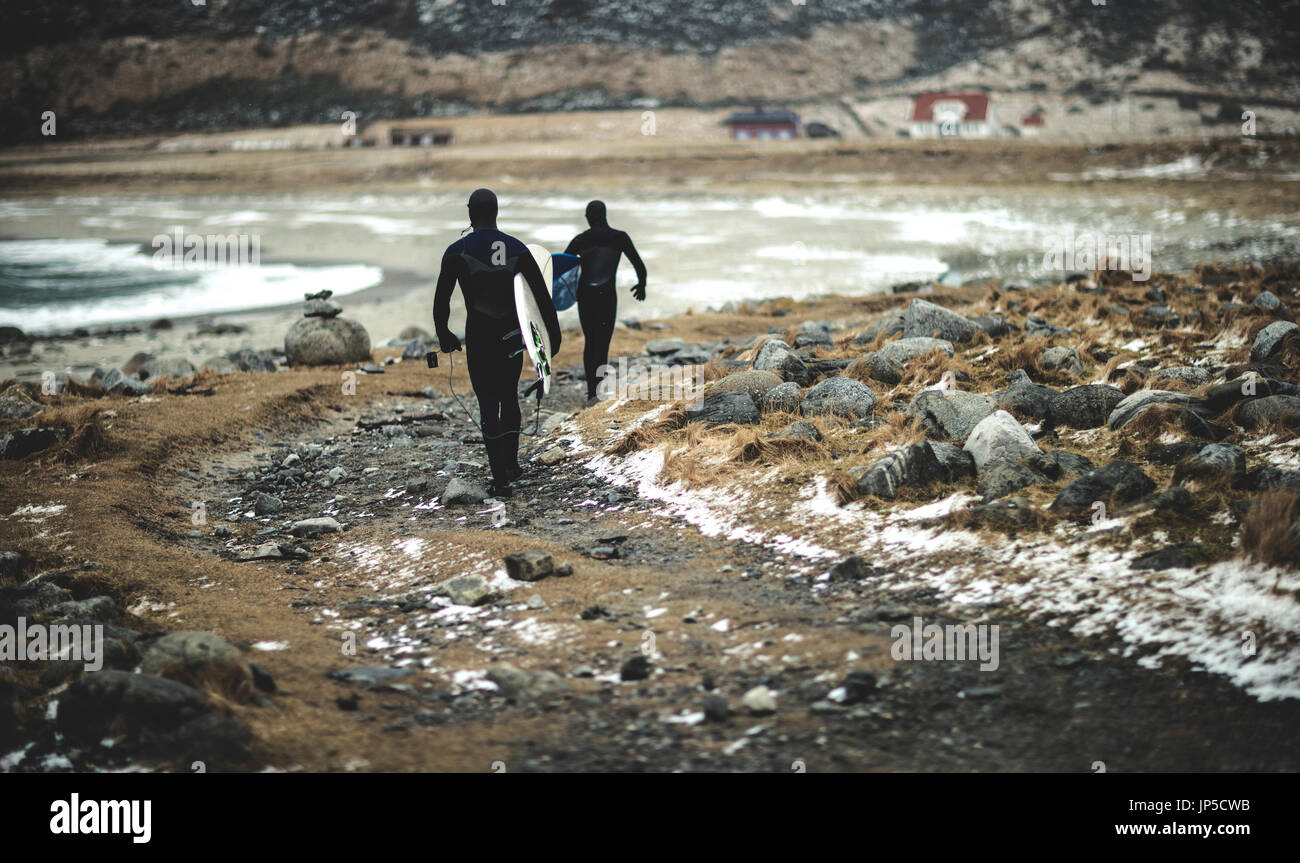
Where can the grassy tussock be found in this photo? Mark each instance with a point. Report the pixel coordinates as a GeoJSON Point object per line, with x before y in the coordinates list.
{"type": "Point", "coordinates": [650, 434]}
{"type": "Point", "coordinates": [1270, 532]}
{"type": "Point", "coordinates": [746, 445]}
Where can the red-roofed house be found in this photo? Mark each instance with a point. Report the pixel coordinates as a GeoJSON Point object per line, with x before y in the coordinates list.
{"type": "Point", "coordinates": [966, 114]}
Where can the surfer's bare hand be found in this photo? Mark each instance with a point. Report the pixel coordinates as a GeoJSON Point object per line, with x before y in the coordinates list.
{"type": "Point", "coordinates": [448, 342]}
{"type": "Point", "coordinates": [638, 291]}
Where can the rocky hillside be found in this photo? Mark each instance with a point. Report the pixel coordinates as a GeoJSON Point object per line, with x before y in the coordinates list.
{"type": "Point", "coordinates": [159, 65]}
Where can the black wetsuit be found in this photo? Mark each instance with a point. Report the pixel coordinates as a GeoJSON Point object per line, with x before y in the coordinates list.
{"type": "Point", "coordinates": [485, 264]}
{"type": "Point", "coordinates": [600, 248]}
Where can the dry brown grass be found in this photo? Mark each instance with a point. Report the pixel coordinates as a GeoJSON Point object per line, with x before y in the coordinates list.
{"type": "Point", "coordinates": [1270, 532]}
{"type": "Point", "coordinates": [746, 445]}
{"type": "Point", "coordinates": [650, 434]}
{"type": "Point", "coordinates": [928, 368]}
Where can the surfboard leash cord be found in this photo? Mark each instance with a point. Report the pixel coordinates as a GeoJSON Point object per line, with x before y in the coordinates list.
{"type": "Point", "coordinates": [537, 414]}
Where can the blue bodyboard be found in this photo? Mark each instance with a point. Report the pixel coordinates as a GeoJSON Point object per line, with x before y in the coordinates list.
{"type": "Point", "coordinates": [565, 270]}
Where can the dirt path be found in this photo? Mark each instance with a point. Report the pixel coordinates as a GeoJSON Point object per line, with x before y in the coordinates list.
{"type": "Point", "coordinates": [716, 617]}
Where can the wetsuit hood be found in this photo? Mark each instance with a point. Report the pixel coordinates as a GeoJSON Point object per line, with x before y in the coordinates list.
{"type": "Point", "coordinates": [483, 208]}
{"type": "Point", "coordinates": [596, 214]}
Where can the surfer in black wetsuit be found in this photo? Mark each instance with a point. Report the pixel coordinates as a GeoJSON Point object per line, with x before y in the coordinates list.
{"type": "Point", "coordinates": [600, 248]}
{"type": "Point", "coordinates": [485, 264]}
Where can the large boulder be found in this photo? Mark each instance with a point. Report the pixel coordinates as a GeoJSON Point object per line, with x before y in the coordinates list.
{"type": "Point", "coordinates": [1063, 359]}
{"type": "Point", "coordinates": [119, 383]}
{"type": "Point", "coordinates": [194, 657]}
{"type": "Point", "coordinates": [1269, 340]}
{"type": "Point", "coordinates": [1026, 399]}
{"type": "Point", "coordinates": [1132, 406]}
{"type": "Point", "coordinates": [106, 701]}
{"type": "Point", "coordinates": [949, 414]}
{"type": "Point", "coordinates": [1270, 409]}
{"type": "Point", "coordinates": [776, 356]}
{"type": "Point", "coordinates": [1213, 462]}
{"type": "Point", "coordinates": [877, 368]}
{"type": "Point", "coordinates": [914, 464]}
{"type": "Point", "coordinates": [326, 342]}
{"type": "Point", "coordinates": [999, 438]}
{"type": "Point", "coordinates": [904, 350]}
{"type": "Point", "coordinates": [15, 403]}
{"type": "Point", "coordinates": [754, 382]}
{"type": "Point", "coordinates": [784, 397]}
{"type": "Point", "coordinates": [929, 320]}
{"type": "Point", "coordinates": [1120, 481]}
{"type": "Point", "coordinates": [839, 395]}
{"type": "Point", "coordinates": [1084, 407]}
{"type": "Point", "coordinates": [724, 407]}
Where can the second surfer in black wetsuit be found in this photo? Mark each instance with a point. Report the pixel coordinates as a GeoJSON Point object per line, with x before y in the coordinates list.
{"type": "Point", "coordinates": [600, 248]}
{"type": "Point", "coordinates": [485, 264]}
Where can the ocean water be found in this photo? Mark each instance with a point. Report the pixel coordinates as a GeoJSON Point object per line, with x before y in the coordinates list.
{"type": "Point", "coordinates": [65, 283]}
{"type": "Point", "coordinates": [702, 250]}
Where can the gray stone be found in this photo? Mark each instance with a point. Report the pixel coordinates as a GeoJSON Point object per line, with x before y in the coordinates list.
{"type": "Point", "coordinates": [1267, 301]}
{"type": "Point", "coordinates": [839, 395]}
{"type": "Point", "coordinates": [190, 655]}
{"type": "Point", "coordinates": [801, 429]}
{"type": "Point", "coordinates": [1084, 407]}
{"type": "Point", "coordinates": [1138, 403]}
{"type": "Point", "coordinates": [999, 438]}
{"type": "Point", "coordinates": [949, 414]}
{"type": "Point", "coordinates": [415, 349]}
{"type": "Point", "coordinates": [370, 675]}
{"type": "Point", "coordinates": [16, 404]}
{"type": "Point", "coordinates": [904, 351]}
{"type": "Point", "coordinates": [1026, 398]}
{"type": "Point", "coordinates": [528, 687]}
{"type": "Point", "coordinates": [759, 701]}
{"type": "Point", "coordinates": [877, 368]}
{"type": "Point", "coordinates": [924, 318]}
{"type": "Point", "coordinates": [1060, 358]}
{"type": "Point", "coordinates": [23, 442]}
{"type": "Point", "coordinates": [784, 397]}
{"type": "Point", "coordinates": [249, 360]}
{"type": "Point", "coordinates": [955, 463]}
{"type": "Point", "coordinates": [1120, 481]}
{"type": "Point", "coordinates": [101, 701]}
{"type": "Point", "coordinates": [321, 309]}
{"type": "Point", "coordinates": [315, 526]}
{"type": "Point", "coordinates": [1216, 460]}
{"type": "Point", "coordinates": [529, 565]}
{"type": "Point", "coordinates": [469, 589]}
{"type": "Point", "coordinates": [756, 383]}
{"type": "Point", "coordinates": [663, 347]}
{"type": "Point", "coordinates": [1001, 478]}
{"type": "Point", "coordinates": [266, 504]}
{"type": "Point", "coordinates": [96, 608]}
{"type": "Point", "coordinates": [1068, 462]}
{"type": "Point", "coordinates": [913, 465]}
{"type": "Point", "coordinates": [851, 568]}
{"type": "Point", "coordinates": [724, 407]}
{"type": "Point", "coordinates": [326, 342]}
{"type": "Point", "coordinates": [776, 356]}
{"type": "Point", "coordinates": [1269, 340]}
{"type": "Point", "coordinates": [461, 491]}
{"type": "Point", "coordinates": [1193, 376]}
{"type": "Point", "coordinates": [1270, 409]}
{"type": "Point", "coordinates": [814, 334]}
{"type": "Point", "coordinates": [114, 381]}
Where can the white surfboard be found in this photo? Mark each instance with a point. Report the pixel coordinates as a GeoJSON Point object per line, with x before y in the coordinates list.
{"type": "Point", "coordinates": [537, 341]}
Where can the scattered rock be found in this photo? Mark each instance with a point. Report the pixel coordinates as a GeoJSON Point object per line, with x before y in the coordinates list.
{"type": "Point", "coordinates": [529, 565]}
{"type": "Point", "coordinates": [911, 465]}
{"type": "Point", "coordinates": [1270, 409]}
{"type": "Point", "coordinates": [265, 504]}
{"type": "Point", "coordinates": [469, 589]}
{"type": "Point", "coordinates": [24, 442]}
{"type": "Point", "coordinates": [1120, 481]}
{"type": "Point", "coordinates": [116, 382]}
{"type": "Point", "coordinates": [16, 404]}
{"type": "Point", "coordinates": [326, 342]}
{"type": "Point", "coordinates": [839, 395]}
{"type": "Point", "coordinates": [756, 383]}
{"type": "Point", "coordinates": [724, 407]}
{"type": "Point", "coordinates": [776, 356]}
{"type": "Point", "coordinates": [950, 414]}
{"type": "Point", "coordinates": [999, 438]}
{"type": "Point", "coordinates": [1084, 407]}
{"type": "Point", "coordinates": [1133, 406]}
{"type": "Point", "coordinates": [760, 701]}
{"type": "Point", "coordinates": [851, 568]}
{"type": "Point", "coordinates": [877, 368]}
{"type": "Point", "coordinates": [461, 491]}
{"type": "Point", "coordinates": [801, 429]}
{"type": "Point", "coordinates": [370, 675]}
{"type": "Point", "coordinates": [1268, 341]}
{"type": "Point", "coordinates": [193, 657]}
{"type": "Point", "coordinates": [1026, 398]}
{"type": "Point", "coordinates": [528, 687]}
{"type": "Point", "coordinates": [315, 526]}
{"type": "Point", "coordinates": [174, 368]}
{"type": "Point", "coordinates": [1063, 359]}
{"type": "Point", "coordinates": [104, 701]}
{"type": "Point", "coordinates": [1216, 461]}
{"type": "Point", "coordinates": [925, 319]}
{"type": "Point", "coordinates": [635, 668]}
{"type": "Point", "coordinates": [1180, 556]}
{"type": "Point", "coordinates": [903, 351]}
